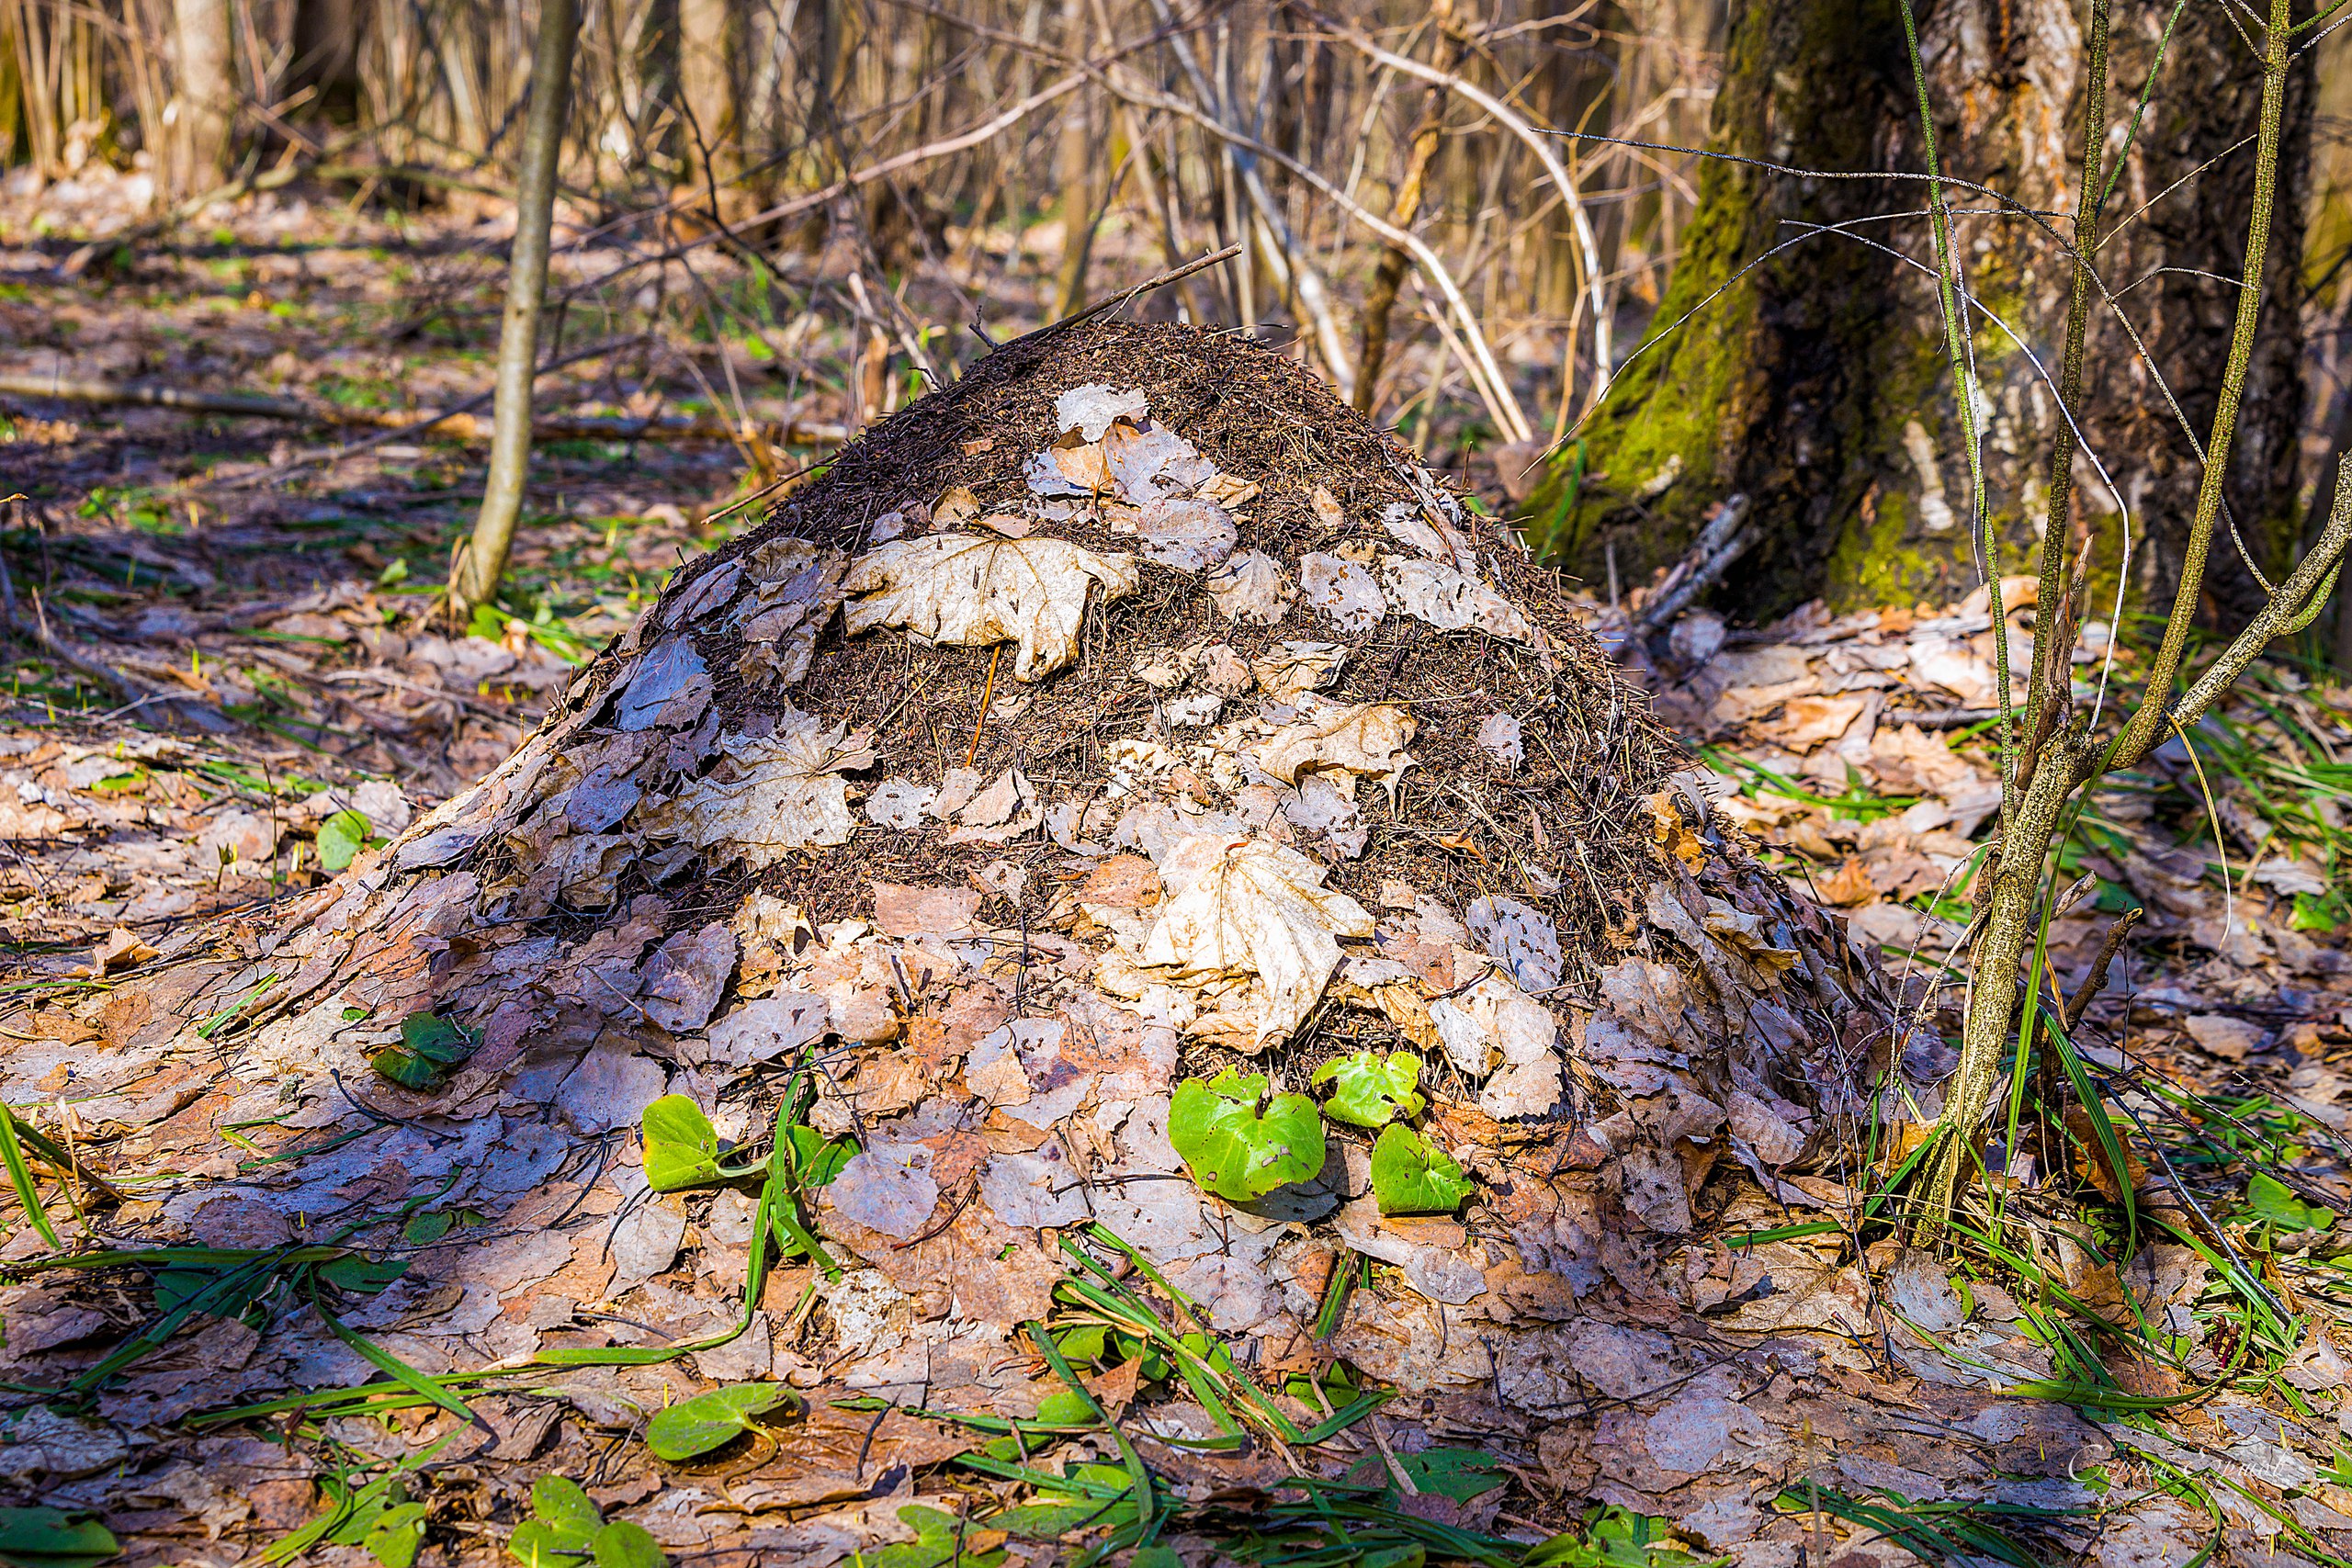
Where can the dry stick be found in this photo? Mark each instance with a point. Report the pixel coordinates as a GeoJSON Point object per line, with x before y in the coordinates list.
{"type": "Point", "coordinates": [2045, 690]}
{"type": "Point", "coordinates": [1495, 389]}
{"type": "Point", "coordinates": [458, 422]}
{"type": "Point", "coordinates": [1303, 279]}
{"type": "Point", "coordinates": [1380, 295]}
{"type": "Point", "coordinates": [1588, 242]}
{"type": "Point", "coordinates": [2140, 735]}
{"type": "Point", "coordinates": [2096, 981]}
{"type": "Point", "coordinates": [1723, 541]}
{"type": "Point", "coordinates": [475, 581]}
{"type": "Point", "coordinates": [986, 130]}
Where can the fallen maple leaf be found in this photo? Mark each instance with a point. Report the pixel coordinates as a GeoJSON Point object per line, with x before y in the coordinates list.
{"type": "Point", "coordinates": [1366, 739]}
{"type": "Point", "coordinates": [1451, 602]}
{"type": "Point", "coordinates": [1245, 906]}
{"type": "Point", "coordinates": [771, 794]}
{"type": "Point", "coordinates": [973, 591]}
{"type": "Point", "coordinates": [1249, 587]}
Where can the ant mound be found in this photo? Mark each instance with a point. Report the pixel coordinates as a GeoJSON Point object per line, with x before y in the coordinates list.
{"type": "Point", "coordinates": [1123, 850]}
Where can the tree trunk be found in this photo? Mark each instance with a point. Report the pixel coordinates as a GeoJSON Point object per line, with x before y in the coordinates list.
{"type": "Point", "coordinates": [708, 37]}
{"type": "Point", "coordinates": [207, 94]}
{"type": "Point", "coordinates": [1818, 383]}
{"type": "Point", "coordinates": [476, 578]}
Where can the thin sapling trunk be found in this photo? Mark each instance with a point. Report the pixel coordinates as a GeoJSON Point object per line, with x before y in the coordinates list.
{"type": "Point", "coordinates": [483, 562]}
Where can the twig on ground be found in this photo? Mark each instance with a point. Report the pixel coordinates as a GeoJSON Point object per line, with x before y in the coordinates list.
{"type": "Point", "coordinates": [1723, 541]}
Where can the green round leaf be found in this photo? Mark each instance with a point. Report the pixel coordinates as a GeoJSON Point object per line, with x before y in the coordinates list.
{"type": "Point", "coordinates": [536, 1544]}
{"type": "Point", "coordinates": [1235, 1149]}
{"type": "Point", "coordinates": [693, 1426]}
{"type": "Point", "coordinates": [397, 1535]}
{"type": "Point", "coordinates": [341, 838]}
{"type": "Point", "coordinates": [2272, 1201]}
{"type": "Point", "coordinates": [406, 1068]}
{"type": "Point", "coordinates": [681, 1145]}
{"type": "Point", "coordinates": [569, 1514]}
{"type": "Point", "coordinates": [50, 1538]}
{"type": "Point", "coordinates": [624, 1545]}
{"type": "Point", "coordinates": [1412, 1176]}
{"type": "Point", "coordinates": [1370, 1089]}
{"type": "Point", "coordinates": [436, 1039]}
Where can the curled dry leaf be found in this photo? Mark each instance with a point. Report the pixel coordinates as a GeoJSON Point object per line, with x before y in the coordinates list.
{"type": "Point", "coordinates": [770, 795]}
{"type": "Point", "coordinates": [972, 591]}
{"type": "Point", "coordinates": [1343, 591]}
{"type": "Point", "coordinates": [1249, 587]}
{"type": "Point", "coordinates": [1326, 508]}
{"type": "Point", "coordinates": [1288, 670]}
{"type": "Point", "coordinates": [1407, 526]}
{"type": "Point", "coordinates": [1451, 602]}
{"type": "Point", "coordinates": [1368, 738]}
{"type": "Point", "coordinates": [1090, 409]}
{"type": "Point", "coordinates": [1004, 811]}
{"type": "Point", "coordinates": [796, 586]}
{"type": "Point", "coordinates": [667, 690]}
{"type": "Point", "coordinates": [1184, 536]}
{"type": "Point", "coordinates": [955, 508]}
{"type": "Point", "coordinates": [1149, 462]}
{"type": "Point", "coordinates": [1493, 1023]}
{"type": "Point", "coordinates": [1248, 907]}
{"type": "Point", "coordinates": [1068, 467]}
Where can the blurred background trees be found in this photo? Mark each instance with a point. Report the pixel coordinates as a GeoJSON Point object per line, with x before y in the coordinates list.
{"type": "Point", "coordinates": [1411, 220]}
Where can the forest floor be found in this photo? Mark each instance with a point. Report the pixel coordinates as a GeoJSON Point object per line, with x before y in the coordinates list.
{"type": "Point", "coordinates": [225, 676]}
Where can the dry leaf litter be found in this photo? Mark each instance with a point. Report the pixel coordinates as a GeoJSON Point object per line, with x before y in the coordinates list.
{"type": "Point", "coordinates": [1126, 729]}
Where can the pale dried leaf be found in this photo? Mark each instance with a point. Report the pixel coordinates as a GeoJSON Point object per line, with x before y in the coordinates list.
{"type": "Point", "coordinates": [796, 586]}
{"type": "Point", "coordinates": [1065, 468]}
{"type": "Point", "coordinates": [1149, 462]}
{"type": "Point", "coordinates": [1321, 808]}
{"type": "Point", "coordinates": [770, 796]}
{"type": "Point", "coordinates": [887, 1187]}
{"type": "Point", "coordinates": [1500, 738]}
{"type": "Point", "coordinates": [763, 1030]}
{"type": "Point", "coordinates": [898, 804]}
{"type": "Point", "coordinates": [1181, 535]}
{"type": "Point", "coordinates": [685, 977]}
{"type": "Point", "coordinates": [1492, 1023]}
{"type": "Point", "coordinates": [1089, 409]}
{"type": "Point", "coordinates": [1250, 907]}
{"type": "Point", "coordinates": [1249, 587]}
{"type": "Point", "coordinates": [1369, 739]}
{"type": "Point", "coordinates": [1405, 525]}
{"type": "Point", "coordinates": [667, 690]}
{"type": "Point", "coordinates": [1006, 810]}
{"type": "Point", "coordinates": [1452, 602]}
{"type": "Point", "coordinates": [968, 590]}
{"type": "Point", "coordinates": [1345, 592]}
{"type": "Point", "coordinates": [1288, 670]}
{"type": "Point", "coordinates": [904, 912]}
{"type": "Point", "coordinates": [1520, 938]}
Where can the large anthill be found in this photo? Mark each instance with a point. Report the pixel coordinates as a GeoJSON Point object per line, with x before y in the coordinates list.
{"type": "Point", "coordinates": [1122, 796]}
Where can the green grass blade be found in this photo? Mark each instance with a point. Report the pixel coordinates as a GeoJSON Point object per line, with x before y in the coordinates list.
{"type": "Point", "coordinates": [20, 1177]}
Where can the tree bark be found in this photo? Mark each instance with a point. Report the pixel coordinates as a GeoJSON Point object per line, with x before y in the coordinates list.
{"type": "Point", "coordinates": [1818, 383]}
{"type": "Point", "coordinates": [707, 36]}
{"type": "Point", "coordinates": [476, 580]}
{"type": "Point", "coordinates": [206, 93]}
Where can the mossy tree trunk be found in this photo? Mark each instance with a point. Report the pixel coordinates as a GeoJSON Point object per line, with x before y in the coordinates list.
{"type": "Point", "coordinates": [1818, 382]}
